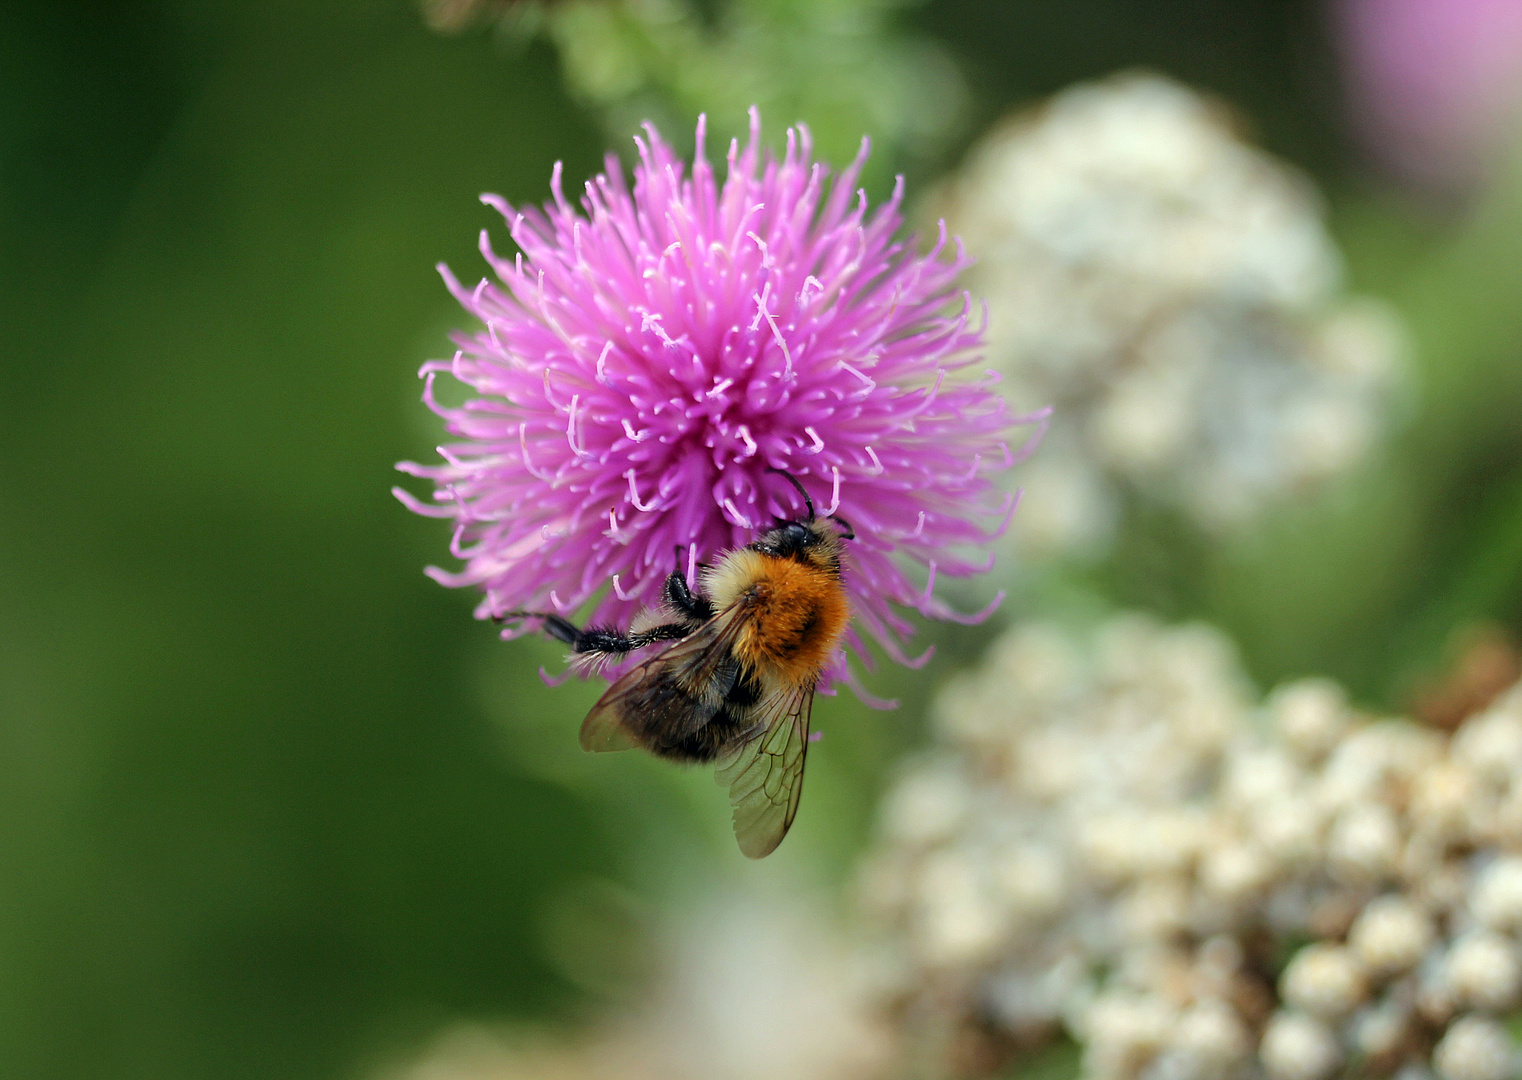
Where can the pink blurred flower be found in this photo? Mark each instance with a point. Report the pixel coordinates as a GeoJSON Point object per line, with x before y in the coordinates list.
{"type": "Point", "coordinates": [651, 356]}
{"type": "Point", "coordinates": [1435, 84]}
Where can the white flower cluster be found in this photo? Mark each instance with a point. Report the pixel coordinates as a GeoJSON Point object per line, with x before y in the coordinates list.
{"type": "Point", "coordinates": [1174, 293]}
{"type": "Point", "coordinates": [1118, 842]}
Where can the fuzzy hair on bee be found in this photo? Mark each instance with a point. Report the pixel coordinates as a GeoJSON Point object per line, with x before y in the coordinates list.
{"type": "Point", "coordinates": [734, 668]}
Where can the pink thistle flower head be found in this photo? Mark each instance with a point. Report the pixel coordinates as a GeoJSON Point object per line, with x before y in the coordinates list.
{"type": "Point", "coordinates": [652, 358]}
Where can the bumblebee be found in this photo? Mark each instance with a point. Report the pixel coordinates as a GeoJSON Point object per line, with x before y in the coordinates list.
{"type": "Point", "coordinates": [733, 681]}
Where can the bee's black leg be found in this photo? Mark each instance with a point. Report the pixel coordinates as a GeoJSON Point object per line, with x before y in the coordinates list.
{"type": "Point", "coordinates": [563, 630]}
{"type": "Point", "coordinates": [598, 639]}
{"type": "Point", "coordinates": [558, 628]}
{"type": "Point", "coordinates": [681, 597]}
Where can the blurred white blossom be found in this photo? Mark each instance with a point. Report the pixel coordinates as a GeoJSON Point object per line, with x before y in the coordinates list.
{"type": "Point", "coordinates": [1174, 293]}
{"type": "Point", "coordinates": [1121, 842]}
{"type": "Point", "coordinates": [754, 985]}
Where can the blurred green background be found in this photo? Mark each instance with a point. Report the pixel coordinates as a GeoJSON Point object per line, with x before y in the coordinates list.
{"type": "Point", "coordinates": [271, 803]}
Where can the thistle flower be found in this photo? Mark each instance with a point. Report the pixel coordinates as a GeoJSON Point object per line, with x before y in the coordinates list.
{"type": "Point", "coordinates": [1434, 86]}
{"type": "Point", "coordinates": [649, 361]}
{"type": "Point", "coordinates": [1122, 842]}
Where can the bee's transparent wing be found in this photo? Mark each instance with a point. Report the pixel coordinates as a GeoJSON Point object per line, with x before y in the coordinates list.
{"type": "Point", "coordinates": [765, 776]}
{"type": "Point", "coordinates": [699, 654]}
{"type": "Point", "coordinates": [604, 730]}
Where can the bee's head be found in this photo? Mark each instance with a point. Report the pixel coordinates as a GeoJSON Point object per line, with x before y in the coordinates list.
{"type": "Point", "coordinates": [814, 540]}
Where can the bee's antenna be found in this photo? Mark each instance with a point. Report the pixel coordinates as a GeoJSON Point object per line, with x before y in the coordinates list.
{"type": "Point", "coordinates": [850, 533]}
{"type": "Point", "coordinates": [791, 479]}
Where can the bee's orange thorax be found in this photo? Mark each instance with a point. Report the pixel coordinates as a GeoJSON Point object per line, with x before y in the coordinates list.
{"type": "Point", "coordinates": [794, 613]}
